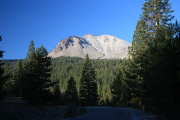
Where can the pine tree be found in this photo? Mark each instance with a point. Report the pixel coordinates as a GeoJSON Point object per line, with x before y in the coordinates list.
{"type": "Point", "coordinates": [2, 78]}
{"type": "Point", "coordinates": [124, 87]}
{"type": "Point", "coordinates": [31, 51]}
{"type": "Point", "coordinates": [43, 69]}
{"type": "Point", "coordinates": [19, 78]}
{"type": "Point", "coordinates": [155, 53]}
{"type": "Point", "coordinates": [88, 86]}
{"type": "Point", "coordinates": [156, 13]}
{"type": "Point", "coordinates": [163, 75]}
{"type": "Point", "coordinates": [37, 74]}
{"type": "Point", "coordinates": [9, 85]}
{"type": "Point", "coordinates": [119, 88]}
{"type": "Point", "coordinates": [139, 61]}
{"type": "Point", "coordinates": [30, 74]}
{"type": "Point", "coordinates": [71, 94]}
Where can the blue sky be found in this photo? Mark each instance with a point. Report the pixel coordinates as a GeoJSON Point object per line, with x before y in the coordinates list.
{"type": "Point", "coordinates": [49, 21]}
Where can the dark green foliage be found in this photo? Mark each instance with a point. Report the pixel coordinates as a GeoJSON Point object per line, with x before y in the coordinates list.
{"type": "Point", "coordinates": [156, 13]}
{"type": "Point", "coordinates": [88, 86]}
{"type": "Point", "coordinates": [57, 96]}
{"type": "Point", "coordinates": [65, 67]}
{"type": "Point", "coordinates": [124, 87]}
{"type": "Point", "coordinates": [14, 74]}
{"type": "Point", "coordinates": [31, 51]}
{"type": "Point", "coordinates": [163, 75]}
{"type": "Point", "coordinates": [19, 78]}
{"type": "Point", "coordinates": [1, 51]}
{"type": "Point", "coordinates": [119, 87]}
{"type": "Point", "coordinates": [37, 75]}
{"type": "Point", "coordinates": [9, 84]}
{"type": "Point", "coordinates": [155, 60]}
{"type": "Point", "coordinates": [6, 79]}
{"type": "Point", "coordinates": [71, 94]}
{"type": "Point", "coordinates": [2, 78]}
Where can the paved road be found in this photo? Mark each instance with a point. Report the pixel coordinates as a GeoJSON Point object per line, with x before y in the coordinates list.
{"type": "Point", "coordinates": [109, 113]}
{"type": "Point", "coordinates": [10, 108]}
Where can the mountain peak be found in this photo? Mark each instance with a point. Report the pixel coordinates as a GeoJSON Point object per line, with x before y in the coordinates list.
{"type": "Point", "coordinates": [98, 47]}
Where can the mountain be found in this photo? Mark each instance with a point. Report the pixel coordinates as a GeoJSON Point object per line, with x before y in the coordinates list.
{"type": "Point", "coordinates": [97, 47]}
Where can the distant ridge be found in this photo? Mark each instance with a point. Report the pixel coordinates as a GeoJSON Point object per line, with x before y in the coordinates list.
{"type": "Point", "coordinates": [97, 47]}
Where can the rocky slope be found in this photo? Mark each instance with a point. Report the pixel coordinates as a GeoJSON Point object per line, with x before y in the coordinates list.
{"type": "Point", "coordinates": [97, 47]}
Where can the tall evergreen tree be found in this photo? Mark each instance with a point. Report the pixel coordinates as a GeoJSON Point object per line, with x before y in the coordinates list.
{"type": "Point", "coordinates": [71, 94]}
{"type": "Point", "coordinates": [37, 71]}
{"type": "Point", "coordinates": [19, 78]}
{"type": "Point", "coordinates": [43, 63]}
{"type": "Point", "coordinates": [124, 87]}
{"type": "Point", "coordinates": [119, 88]}
{"type": "Point", "coordinates": [162, 74]}
{"type": "Point", "coordinates": [156, 13]}
{"type": "Point", "coordinates": [88, 86]}
{"type": "Point", "coordinates": [31, 50]}
{"type": "Point", "coordinates": [155, 56]}
{"type": "Point", "coordinates": [9, 85]}
{"type": "Point", "coordinates": [30, 74]}
{"type": "Point", "coordinates": [2, 78]}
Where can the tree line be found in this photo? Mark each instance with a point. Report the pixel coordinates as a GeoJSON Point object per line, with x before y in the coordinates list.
{"type": "Point", "coordinates": [62, 70]}
{"type": "Point", "coordinates": [31, 80]}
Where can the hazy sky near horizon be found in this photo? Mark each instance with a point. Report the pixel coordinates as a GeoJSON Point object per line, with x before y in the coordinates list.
{"type": "Point", "coordinates": [49, 21]}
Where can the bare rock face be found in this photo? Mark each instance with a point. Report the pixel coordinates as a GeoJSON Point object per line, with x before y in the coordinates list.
{"type": "Point", "coordinates": [97, 47]}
